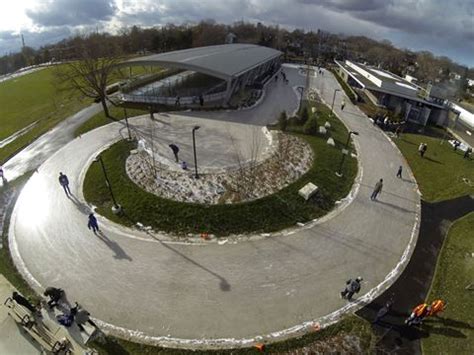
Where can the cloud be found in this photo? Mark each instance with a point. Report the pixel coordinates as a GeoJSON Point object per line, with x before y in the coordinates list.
{"type": "Point", "coordinates": [72, 12]}
{"type": "Point", "coordinates": [444, 27]}
{"type": "Point", "coordinates": [10, 41]}
{"type": "Point", "coordinates": [350, 5]}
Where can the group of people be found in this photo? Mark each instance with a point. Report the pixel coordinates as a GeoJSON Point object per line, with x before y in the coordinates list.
{"type": "Point", "coordinates": [92, 223]}
{"type": "Point", "coordinates": [200, 98]}
{"type": "Point", "coordinates": [386, 124]}
{"type": "Point", "coordinates": [467, 152]}
{"type": "Point", "coordinates": [418, 314]}
{"type": "Point", "coordinates": [424, 310]}
{"type": "Point", "coordinates": [54, 297]}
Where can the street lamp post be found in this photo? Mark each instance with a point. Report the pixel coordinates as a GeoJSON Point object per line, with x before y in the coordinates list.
{"type": "Point", "coordinates": [195, 128]}
{"type": "Point", "coordinates": [333, 99]}
{"type": "Point", "coordinates": [301, 90]}
{"type": "Point", "coordinates": [126, 122]}
{"type": "Point", "coordinates": [345, 151]}
{"type": "Point", "coordinates": [116, 207]}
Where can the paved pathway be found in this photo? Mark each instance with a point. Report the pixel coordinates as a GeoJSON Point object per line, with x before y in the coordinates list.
{"type": "Point", "coordinates": [186, 295]}
{"type": "Point", "coordinates": [414, 284]}
{"type": "Point", "coordinates": [42, 148]}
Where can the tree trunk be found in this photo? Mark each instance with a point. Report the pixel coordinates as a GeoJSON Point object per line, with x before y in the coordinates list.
{"type": "Point", "coordinates": [103, 101]}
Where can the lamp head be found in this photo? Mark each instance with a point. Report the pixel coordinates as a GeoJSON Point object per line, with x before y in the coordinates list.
{"type": "Point", "coordinates": [195, 128]}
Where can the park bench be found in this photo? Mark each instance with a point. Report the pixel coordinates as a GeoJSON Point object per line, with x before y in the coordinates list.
{"type": "Point", "coordinates": [36, 329]}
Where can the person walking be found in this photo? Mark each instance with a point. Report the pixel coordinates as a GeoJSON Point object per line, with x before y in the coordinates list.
{"type": "Point", "coordinates": [175, 150]}
{"type": "Point", "coordinates": [177, 102]}
{"type": "Point", "coordinates": [383, 311]}
{"type": "Point", "coordinates": [343, 104]}
{"type": "Point", "coordinates": [419, 313]}
{"type": "Point", "coordinates": [456, 144]}
{"type": "Point", "coordinates": [420, 148]}
{"type": "Point", "coordinates": [352, 286]}
{"type": "Point", "coordinates": [424, 149]}
{"type": "Point", "coordinates": [377, 189]}
{"type": "Point", "coordinates": [437, 306]}
{"type": "Point", "coordinates": [201, 100]}
{"type": "Point", "coordinates": [399, 172]}
{"type": "Point", "coordinates": [92, 223]}
{"type": "Point", "coordinates": [64, 182]}
{"type": "Point", "coordinates": [467, 153]}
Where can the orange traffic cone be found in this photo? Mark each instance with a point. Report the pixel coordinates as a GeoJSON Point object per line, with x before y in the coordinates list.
{"type": "Point", "coordinates": [260, 347]}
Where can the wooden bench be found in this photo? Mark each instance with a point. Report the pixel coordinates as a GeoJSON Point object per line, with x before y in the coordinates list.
{"type": "Point", "coordinates": [36, 328]}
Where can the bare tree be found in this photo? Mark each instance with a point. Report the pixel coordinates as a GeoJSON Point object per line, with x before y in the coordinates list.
{"type": "Point", "coordinates": [247, 163]}
{"type": "Point", "coordinates": [90, 72]}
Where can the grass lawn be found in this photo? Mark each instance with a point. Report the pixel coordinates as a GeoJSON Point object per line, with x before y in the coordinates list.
{"type": "Point", "coordinates": [333, 336]}
{"type": "Point", "coordinates": [453, 331]}
{"type": "Point", "coordinates": [275, 212]}
{"type": "Point", "coordinates": [29, 98]}
{"type": "Point", "coordinates": [440, 173]}
{"type": "Point", "coordinates": [7, 268]}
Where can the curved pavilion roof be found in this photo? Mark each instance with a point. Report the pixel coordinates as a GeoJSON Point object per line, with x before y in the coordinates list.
{"type": "Point", "coordinates": [224, 61]}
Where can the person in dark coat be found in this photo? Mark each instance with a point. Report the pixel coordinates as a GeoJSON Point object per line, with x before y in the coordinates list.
{"type": "Point", "coordinates": [175, 150]}
{"type": "Point", "coordinates": [399, 172]}
{"type": "Point", "coordinates": [377, 189]}
{"type": "Point", "coordinates": [64, 182]}
{"type": "Point", "coordinates": [54, 294]}
{"type": "Point", "coordinates": [92, 224]}
{"type": "Point", "coordinates": [467, 153]}
{"type": "Point", "coordinates": [456, 144]}
{"type": "Point", "coordinates": [23, 301]}
{"type": "Point", "coordinates": [81, 316]}
{"type": "Point", "coordinates": [383, 311]}
{"type": "Point", "coordinates": [352, 286]}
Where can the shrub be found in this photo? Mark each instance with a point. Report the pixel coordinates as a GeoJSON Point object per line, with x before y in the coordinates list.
{"type": "Point", "coordinates": [283, 121]}
{"type": "Point", "coordinates": [311, 126]}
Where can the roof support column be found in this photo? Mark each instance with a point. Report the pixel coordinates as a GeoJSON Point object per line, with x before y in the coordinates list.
{"type": "Point", "coordinates": [231, 84]}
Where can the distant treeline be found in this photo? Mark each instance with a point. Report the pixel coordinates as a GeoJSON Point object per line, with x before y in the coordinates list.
{"type": "Point", "coordinates": [320, 45]}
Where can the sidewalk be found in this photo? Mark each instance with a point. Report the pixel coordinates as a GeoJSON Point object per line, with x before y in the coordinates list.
{"type": "Point", "coordinates": [14, 340]}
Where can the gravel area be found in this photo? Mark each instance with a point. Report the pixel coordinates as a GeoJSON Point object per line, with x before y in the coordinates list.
{"type": "Point", "coordinates": [247, 181]}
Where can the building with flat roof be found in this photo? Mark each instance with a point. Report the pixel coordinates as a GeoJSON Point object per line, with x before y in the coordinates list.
{"type": "Point", "coordinates": [403, 97]}
{"type": "Point", "coordinates": [236, 65]}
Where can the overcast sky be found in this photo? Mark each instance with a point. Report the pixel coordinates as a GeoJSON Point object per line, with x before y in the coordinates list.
{"type": "Point", "coordinates": [445, 27]}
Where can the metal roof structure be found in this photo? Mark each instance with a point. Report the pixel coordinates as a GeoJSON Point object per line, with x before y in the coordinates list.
{"type": "Point", "coordinates": [224, 61]}
{"type": "Point", "coordinates": [381, 80]}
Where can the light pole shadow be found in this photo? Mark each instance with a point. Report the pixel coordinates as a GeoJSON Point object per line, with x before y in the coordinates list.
{"type": "Point", "coordinates": [223, 284]}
